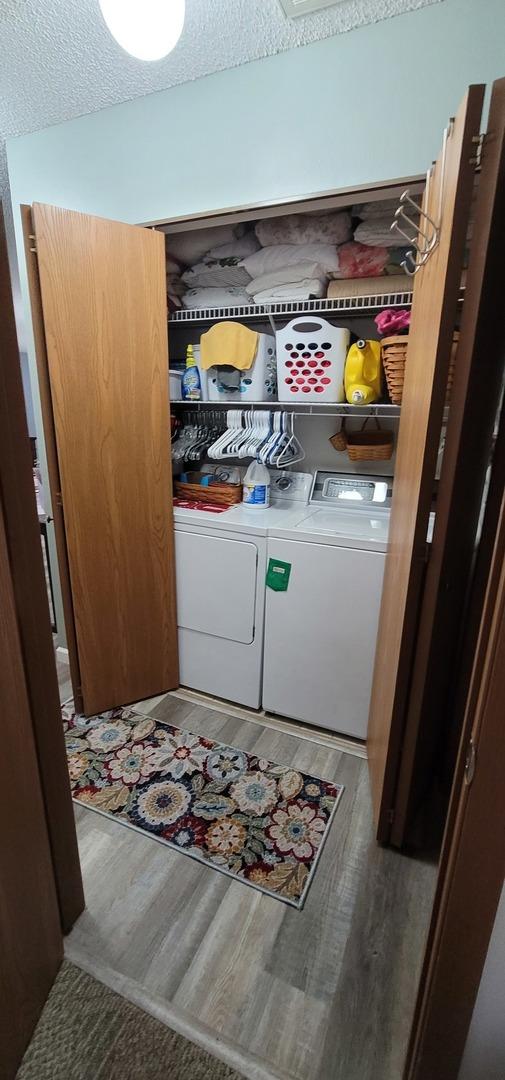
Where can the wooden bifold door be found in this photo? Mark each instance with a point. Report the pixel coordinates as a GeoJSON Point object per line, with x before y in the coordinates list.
{"type": "Point", "coordinates": [425, 584]}
{"type": "Point", "coordinates": [98, 291]}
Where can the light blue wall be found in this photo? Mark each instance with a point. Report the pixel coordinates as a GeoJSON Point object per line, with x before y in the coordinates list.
{"type": "Point", "coordinates": [363, 106]}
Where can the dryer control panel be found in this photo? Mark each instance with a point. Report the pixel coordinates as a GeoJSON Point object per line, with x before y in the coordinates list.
{"type": "Point", "coordinates": [356, 492]}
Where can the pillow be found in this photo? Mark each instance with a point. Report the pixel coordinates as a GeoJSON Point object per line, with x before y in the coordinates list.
{"type": "Point", "coordinates": [189, 247]}
{"type": "Point", "coordinates": [246, 245]}
{"type": "Point", "coordinates": [360, 260]}
{"type": "Point", "coordinates": [214, 298]}
{"type": "Point", "coordinates": [215, 273]}
{"type": "Point", "coordinates": [279, 256]}
{"type": "Point", "coordinates": [172, 266]}
{"type": "Point", "coordinates": [326, 227]}
{"type": "Point", "coordinates": [286, 275]}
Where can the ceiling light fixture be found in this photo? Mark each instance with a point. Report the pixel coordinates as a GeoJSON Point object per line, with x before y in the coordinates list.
{"type": "Point", "coordinates": [147, 29]}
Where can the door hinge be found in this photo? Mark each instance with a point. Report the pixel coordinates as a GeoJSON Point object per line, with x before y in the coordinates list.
{"type": "Point", "coordinates": [58, 499]}
{"type": "Point", "coordinates": [478, 143]}
{"type": "Point", "coordinates": [33, 238]}
{"type": "Point", "coordinates": [471, 761]}
{"type": "Point", "coordinates": [390, 817]}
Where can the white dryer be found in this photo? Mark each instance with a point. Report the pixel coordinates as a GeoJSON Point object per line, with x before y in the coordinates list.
{"type": "Point", "coordinates": [320, 634]}
{"type": "Point", "coordinates": [220, 563]}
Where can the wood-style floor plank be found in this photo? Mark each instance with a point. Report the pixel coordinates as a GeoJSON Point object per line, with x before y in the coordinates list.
{"type": "Point", "coordinates": [325, 993]}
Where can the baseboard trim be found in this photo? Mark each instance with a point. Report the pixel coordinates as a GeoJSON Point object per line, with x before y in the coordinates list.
{"type": "Point", "coordinates": [275, 723]}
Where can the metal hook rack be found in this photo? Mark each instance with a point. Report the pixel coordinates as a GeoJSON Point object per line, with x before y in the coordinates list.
{"type": "Point", "coordinates": [426, 234]}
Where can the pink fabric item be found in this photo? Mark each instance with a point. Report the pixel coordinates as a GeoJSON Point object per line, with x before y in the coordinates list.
{"type": "Point", "coordinates": [393, 320]}
{"type": "Point", "coordinates": [360, 260]}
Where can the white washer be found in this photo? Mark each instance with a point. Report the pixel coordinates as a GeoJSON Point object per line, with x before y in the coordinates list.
{"type": "Point", "coordinates": [320, 634]}
{"type": "Point", "coordinates": [220, 563]}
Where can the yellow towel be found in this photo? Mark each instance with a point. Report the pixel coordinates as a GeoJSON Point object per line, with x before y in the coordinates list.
{"type": "Point", "coordinates": [228, 343]}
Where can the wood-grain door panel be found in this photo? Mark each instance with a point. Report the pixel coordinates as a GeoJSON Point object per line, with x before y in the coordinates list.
{"type": "Point", "coordinates": [447, 201]}
{"type": "Point", "coordinates": [104, 305]}
{"type": "Point", "coordinates": [31, 943]}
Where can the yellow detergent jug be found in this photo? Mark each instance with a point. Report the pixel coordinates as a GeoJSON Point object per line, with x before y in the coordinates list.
{"type": "Point", "coordinates": [362, 376]}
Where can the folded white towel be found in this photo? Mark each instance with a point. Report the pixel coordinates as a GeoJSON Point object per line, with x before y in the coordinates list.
{"type": "Point", "coordinates": [215, 298]}
{"type": "Point", "coordinates": [285, 275]}
{"type": "Point", "coordinates": [377, 233]}
{"type": "Point", "coordinates": [297, 290]}
{"type": "Point", "coordinates": [278, 256]}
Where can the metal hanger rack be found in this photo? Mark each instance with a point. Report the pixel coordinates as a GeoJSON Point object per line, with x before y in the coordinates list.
{"type": "Point", "coordinates": [310, 409]}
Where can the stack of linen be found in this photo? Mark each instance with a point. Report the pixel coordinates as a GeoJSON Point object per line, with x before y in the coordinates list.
{"type": "Point", "coordinates": [376, 219]}
{"type": "Point", "coordinates": [296, 257]}
{"type": "Point", "coordinates": [298, 254]}
{"type": "Point", "coordinates": [215, 275]}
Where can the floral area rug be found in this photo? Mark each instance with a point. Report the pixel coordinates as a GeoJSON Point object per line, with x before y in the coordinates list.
{"type": "Point", "coordinates": [262, 823]}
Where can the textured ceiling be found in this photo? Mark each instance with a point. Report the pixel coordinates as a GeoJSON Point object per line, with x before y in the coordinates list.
{"type": "Point", "coordinates": [58, 60]}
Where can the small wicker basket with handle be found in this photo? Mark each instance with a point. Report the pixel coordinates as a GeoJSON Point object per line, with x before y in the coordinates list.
{"type": "Point", "coordinates": [370, 445]}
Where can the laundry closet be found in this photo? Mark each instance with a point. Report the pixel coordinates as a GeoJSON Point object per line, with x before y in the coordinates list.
{"type": "Point", "coordinates": [278, 606]}
{"type": "Point", "coordinates": [167, 576]}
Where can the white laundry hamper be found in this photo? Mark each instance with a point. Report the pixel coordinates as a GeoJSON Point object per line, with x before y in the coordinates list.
{"type": "Point", "coordinates": [311, 356]}
{"type": "Point", "coordinates": [257, 383]}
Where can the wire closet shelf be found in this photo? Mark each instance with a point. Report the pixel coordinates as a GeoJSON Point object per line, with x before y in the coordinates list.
{"type": "Point", "coordinates": [355, 305]}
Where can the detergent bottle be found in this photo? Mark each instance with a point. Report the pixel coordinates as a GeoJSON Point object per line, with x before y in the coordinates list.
{"type": "Point", "coordinates": [191, 385]}
{"type": "Point", "coordinates": [362, 378]}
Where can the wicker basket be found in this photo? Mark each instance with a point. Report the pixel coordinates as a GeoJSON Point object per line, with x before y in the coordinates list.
{"type": "Point", "coordinates": [394, 352]}
{"type": "Point", "coordinates": [370, 445]}
{"type": "Point", "coordinates": [339, 439]}
{"type": "Point", "coordinates": [221, 494]}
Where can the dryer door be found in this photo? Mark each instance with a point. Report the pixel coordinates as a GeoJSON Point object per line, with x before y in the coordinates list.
{"type": "Point", "coordinates": [320, 635]}
{"type": "Point", "coordinates": [216, 585]}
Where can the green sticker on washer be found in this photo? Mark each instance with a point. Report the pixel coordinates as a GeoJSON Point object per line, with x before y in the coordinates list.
{"type": "Point", "coordinates": [278, 575]}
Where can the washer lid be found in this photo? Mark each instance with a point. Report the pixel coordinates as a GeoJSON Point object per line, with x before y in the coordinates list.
{"type": "Point", "coordinates": [367, 529]}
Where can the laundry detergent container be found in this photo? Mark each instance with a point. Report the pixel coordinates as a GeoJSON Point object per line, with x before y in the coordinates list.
{"type": "Point", "coordinates": [311, 360]}
{"type": "Point", "coordinates": [257, 383]}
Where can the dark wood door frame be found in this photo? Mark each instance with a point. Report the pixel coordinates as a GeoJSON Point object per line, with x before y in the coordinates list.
{"type": "Point", "coordinates": [479, 369]}
{"type": "Point", "coordinates": [32, 609]}
{"type": "Point", "coordinates": [472, 864]}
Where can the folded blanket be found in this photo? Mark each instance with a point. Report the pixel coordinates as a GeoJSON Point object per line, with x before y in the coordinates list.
{"type": "Point", "coordinates": [214, 298]}
{"type": "Point", "coordinates": [326, 226]}
{"type": "Point", "coordinates": [175, 285]}
{"type": "Point", "coordinates": [172, 266]}
{"type": "Point", "coordinates": [384, 208]}
{"type": "Point", "coordinates": [377, 233]}
{"type": "Point", "coordinates": [309, 288]}
{"type": "Point", "coordinates": [278, 256]}
{"type": "Point", "coordinates": [216, 273]}
{"type": "Point", "coordinates": [360, 260]}
{"type": "Point", "coordinates": [285, 275]}
{"type": "Point", "coordinates": [244, 246]}
{"type": "Point", "coordinates": [373, 286]}
{"type": "Point", "coordinates": [188, 247]}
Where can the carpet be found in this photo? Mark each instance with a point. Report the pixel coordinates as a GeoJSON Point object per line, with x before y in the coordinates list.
{"type": "Point", "coordinates": [88, 1032]}
{"type": "Point", "coordinates": [262, 823]}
